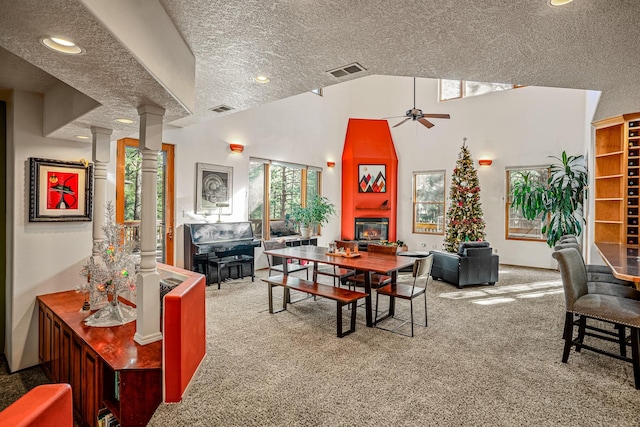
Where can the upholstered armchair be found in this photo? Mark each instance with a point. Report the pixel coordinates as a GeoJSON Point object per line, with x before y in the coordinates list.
{"type": "Point", "coordinates": [474, 264]}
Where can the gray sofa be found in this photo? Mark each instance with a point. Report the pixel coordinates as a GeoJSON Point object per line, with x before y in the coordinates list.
{"type": "Point", "coordinates": [473, 264]}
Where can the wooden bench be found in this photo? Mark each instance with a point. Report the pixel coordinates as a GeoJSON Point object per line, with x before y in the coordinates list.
{"type": "Point", "coordinates": [341, 296]}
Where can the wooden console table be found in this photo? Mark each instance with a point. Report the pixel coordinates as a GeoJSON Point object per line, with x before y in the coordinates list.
{"type": "Point", "coordinates": [104, 366]}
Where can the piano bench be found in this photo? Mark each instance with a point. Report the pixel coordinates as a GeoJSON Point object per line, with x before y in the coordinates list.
{"type": "Point", "coordinates": [237, 261]}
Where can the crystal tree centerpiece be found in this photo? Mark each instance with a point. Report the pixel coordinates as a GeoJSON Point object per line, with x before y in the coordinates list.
{"type": "Point", "coordinates": [112, 271]}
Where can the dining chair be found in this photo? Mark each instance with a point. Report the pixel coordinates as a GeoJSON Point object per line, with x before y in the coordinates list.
{"type": "Point", "coordinates": [339, 274]}
{"type": "Point", "coordinates": [601, 273]}
{"type": "Point", "coordinates": [565, 238]}
{"type": "Point", "coordinates": [276, 263]}
{"type": "Point", "coordinates": [421, 270]}
{"type": "Point", "coordinates": [580, 301]}
{"type": "Point", "coordinates": [377, 279]}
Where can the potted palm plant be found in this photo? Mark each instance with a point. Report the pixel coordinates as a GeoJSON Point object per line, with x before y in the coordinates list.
{"type": "Point", "coordinates": [561, 200]}
{"type": "Point", "coordinates": [317, 212]}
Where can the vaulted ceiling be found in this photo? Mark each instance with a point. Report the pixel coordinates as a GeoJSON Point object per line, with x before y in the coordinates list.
{"type": "Point", "coordinates": [587, 44]}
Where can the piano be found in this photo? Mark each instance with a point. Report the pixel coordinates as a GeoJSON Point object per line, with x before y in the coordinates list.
{"type": "Point", "coordinates": [212, 242]}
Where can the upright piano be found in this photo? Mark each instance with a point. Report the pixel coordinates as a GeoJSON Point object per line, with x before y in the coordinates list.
{"type": "Point", "coordinates": [213, 241]}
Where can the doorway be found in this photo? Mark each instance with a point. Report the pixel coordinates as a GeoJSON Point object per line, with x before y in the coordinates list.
{"type": "Point", "coordinates": [128, 196]}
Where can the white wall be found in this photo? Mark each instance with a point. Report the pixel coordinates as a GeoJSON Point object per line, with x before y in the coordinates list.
{"type": "Point", "coordinates": [514, 128]}
{"type": "Point", "coordinates": [46, 257]}
{"type": "Point", "coordinates": [520, 127]}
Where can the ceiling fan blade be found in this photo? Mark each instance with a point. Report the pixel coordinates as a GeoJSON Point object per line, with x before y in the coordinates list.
{"type": "Point", "coordinates": [408, 118]}
{"type": "Point", "coordinates": [393, 117]}
{"type": "Point", "coordinates": [437, 116]}
{"type": "Point", "coordinates": [426, 122]}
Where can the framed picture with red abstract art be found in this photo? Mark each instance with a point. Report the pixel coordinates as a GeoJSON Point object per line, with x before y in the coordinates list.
{"type": "Point", "coordinates": [372, 179]}
{"type": "Point", "coordinates": [60, 191]}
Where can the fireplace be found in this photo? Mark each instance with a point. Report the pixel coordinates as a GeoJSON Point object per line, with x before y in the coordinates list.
{"type": "Point", "coordinates": [371, 229]}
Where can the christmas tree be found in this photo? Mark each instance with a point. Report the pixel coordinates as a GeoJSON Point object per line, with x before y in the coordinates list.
{"type": "Point", "coordinates": [464, 216]}
{"type": "Point", "coordinates": [111, 272]}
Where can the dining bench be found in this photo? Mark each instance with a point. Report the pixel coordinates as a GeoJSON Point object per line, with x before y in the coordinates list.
{"type": "Point", "coordinates": [341, 296]}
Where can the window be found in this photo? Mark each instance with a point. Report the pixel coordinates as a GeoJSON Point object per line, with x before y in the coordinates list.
{"type": "Point", "coordinates": [517, 226]}
{"type": "Point", "coordinates": [279, 187]}
{"type": "Point", "coordinates": [452, 89]}
{"type": "Point", "coordinates": [428, 202]}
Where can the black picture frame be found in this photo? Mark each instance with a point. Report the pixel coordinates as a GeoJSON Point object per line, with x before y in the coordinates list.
{"type": "Point", "coordinates": [214, 189]}
{"type": "Point", "coordinates": [372, 178]}
{"type": "Point", "coordinates": [60, 191]}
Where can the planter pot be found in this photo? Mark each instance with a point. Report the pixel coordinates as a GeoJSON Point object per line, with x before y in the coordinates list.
{"type": "Point", "coordinates": [306, 232]}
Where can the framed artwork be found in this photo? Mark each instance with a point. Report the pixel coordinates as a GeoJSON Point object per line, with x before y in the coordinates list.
{"type": "Point", "coordinates": [59, 190]}
{"type": "Point", "coordinates": [372, 179]}
{"type": "Point", "coordinates": [214, 189]}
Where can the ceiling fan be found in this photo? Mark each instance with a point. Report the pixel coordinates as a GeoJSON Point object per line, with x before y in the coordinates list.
{"type": "Point", "coordinates": [417, 114]}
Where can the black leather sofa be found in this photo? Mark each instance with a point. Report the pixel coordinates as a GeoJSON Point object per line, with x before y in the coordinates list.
{"type": "Point", "coordinates": [474, 264]}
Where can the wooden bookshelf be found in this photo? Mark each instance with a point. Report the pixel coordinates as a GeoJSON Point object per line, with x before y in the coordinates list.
{"type": "Point", "coordinates": [617, 179]}
{"type": "Point", "coordinates": [632, 191]}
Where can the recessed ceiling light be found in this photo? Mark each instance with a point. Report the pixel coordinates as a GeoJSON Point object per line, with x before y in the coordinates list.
{"type": "Point", "coordinates": [262, 79]}
{"type": "Point", "coordinates": [82, 137]}
{"type": "Point", "coordinates": [62, 45]}
{"type": "Point", "coordinates": [559, 2]}
{"type": "Point", "coordinates": [125, 121]}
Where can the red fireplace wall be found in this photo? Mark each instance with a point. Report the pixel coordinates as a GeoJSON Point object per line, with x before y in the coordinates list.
{"type": "Point", "coordinates": [368, 142]}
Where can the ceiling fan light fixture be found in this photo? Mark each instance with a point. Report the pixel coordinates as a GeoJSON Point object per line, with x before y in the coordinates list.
{"type": "Point", "coordinates": [416, 114]}
{"type": "Point", "coordinates": [61, 45]}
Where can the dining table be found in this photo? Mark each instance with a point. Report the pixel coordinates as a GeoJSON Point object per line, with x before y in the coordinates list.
{"type": "Point", "coordinates": [623, 260]}
{"type": "Point", "coordinates": [365, 262]}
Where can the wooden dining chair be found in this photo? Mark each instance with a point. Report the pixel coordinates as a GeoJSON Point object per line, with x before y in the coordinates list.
{"type": "Point", "coordinates": [377, 280]}
{"type": "Point", "coordinates": [339, 274]}
{"type": "Point", "coordinates": [421, 270]}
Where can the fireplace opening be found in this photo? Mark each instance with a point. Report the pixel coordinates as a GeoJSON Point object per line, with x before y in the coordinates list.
{"type": "Point", "coordinates": [372, 229]}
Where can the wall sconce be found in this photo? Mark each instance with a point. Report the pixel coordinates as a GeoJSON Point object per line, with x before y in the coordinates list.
{"type": "Point", "coordinates": [485, 162]}
{"type": "Point", "coordinates": [331, 164]}
{"type": "Point", "coordinates": [236, 148]}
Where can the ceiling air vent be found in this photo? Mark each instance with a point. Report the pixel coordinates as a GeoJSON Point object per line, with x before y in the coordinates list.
{"type": "Point", "coordinates": [346, 70]}
{"type": "Point", "coordinates": [221, 108]}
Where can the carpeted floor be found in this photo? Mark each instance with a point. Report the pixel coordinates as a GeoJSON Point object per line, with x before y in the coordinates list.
{"type": "Point", "coordinates": [490, 356]}
{"type": "Point", "coordinates": [13, 386]}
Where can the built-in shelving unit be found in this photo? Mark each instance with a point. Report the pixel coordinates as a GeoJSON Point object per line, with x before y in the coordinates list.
{"type": "Point", "coordinates": [632, 135]}
{"type": "Point", "coordinates": [617, 179]}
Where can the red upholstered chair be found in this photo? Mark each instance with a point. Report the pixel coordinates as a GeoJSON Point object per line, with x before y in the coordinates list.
{"type": "Point", "coordinates": [45, 405]}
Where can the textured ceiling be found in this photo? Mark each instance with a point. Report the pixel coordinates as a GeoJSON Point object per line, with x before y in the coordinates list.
{"type": "Point", "coordinates": [589, 44]}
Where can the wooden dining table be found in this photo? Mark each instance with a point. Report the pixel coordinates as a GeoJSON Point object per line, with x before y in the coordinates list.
{"type": "Point", "coordinates": [623, 260]}
{"type": "Point", "coordinates": [366, 262]}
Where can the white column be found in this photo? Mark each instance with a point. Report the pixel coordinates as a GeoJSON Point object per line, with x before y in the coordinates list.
{"type": "Point", "coordinates": [148, 281]}
{"type": "Point", "coordinates": [101, 154]}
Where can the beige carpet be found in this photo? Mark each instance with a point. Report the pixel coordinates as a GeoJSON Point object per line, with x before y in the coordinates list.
{"type": "Point", "coordinates": [490, 356]}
